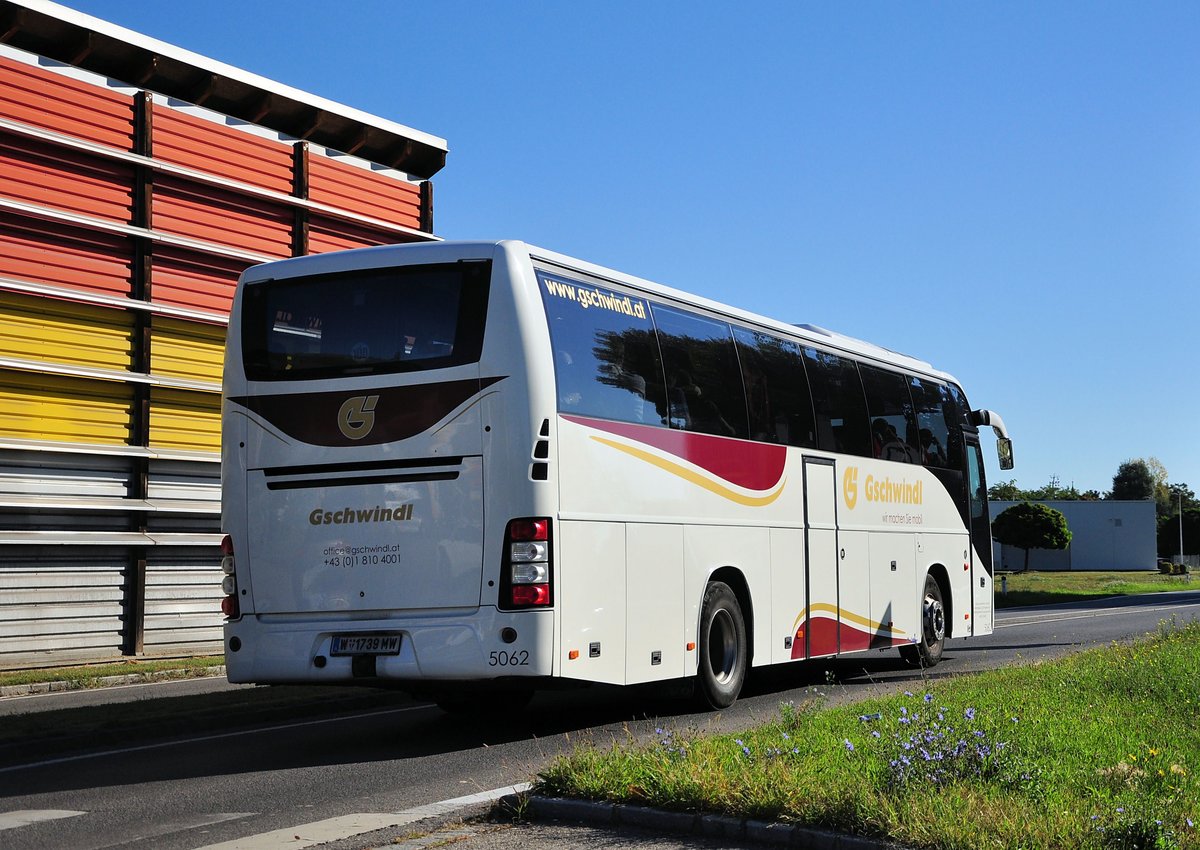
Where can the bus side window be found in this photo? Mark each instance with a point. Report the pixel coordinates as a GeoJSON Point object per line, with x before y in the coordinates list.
{"type": "Point", "coordinates": [937, 423]}
{"type": "Point", "coordinates": [606, 361]}
{"type": "Point", "coordinates": [704, 381]}
{"type": "Point", "coordinates": [777, 395]}
{"type": "Point", "coordinates": [838, 403]}
{"type": "Point", "coordinates": [893, 426]}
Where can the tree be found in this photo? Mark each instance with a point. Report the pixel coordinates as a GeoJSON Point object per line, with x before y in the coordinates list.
{"type": "Point", "coordinates": [1134, 481]}
{"type": "Point", "coordinates": [1006, 491]}
{"type": "Point", "coordinates": [1168, 534]}
{"type": "Point", "coordinates": [1032, 526]}
{"type": "Point", "coordinates": [1162, 492]}
{"type": "Point", "coordinates": [1188, 497]}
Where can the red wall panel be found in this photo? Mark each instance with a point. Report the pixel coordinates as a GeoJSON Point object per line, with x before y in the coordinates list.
{"type": "Point", "coordinates": [329, 234]}
{"type": "Point", "coordinates": [38, 173]}
{"type": "Point", "coordinates": [363, 192]}
{"type": "Point", "coordinates": [44, 99]}
{"type": "Point", "coordinates": [192, 142]}
{"type": "Point", "coordinates": [224, 217]}
{"type": "Point", "coordinates": [62, 255]}
{"type": "Point", "coordinates": [190, 279]}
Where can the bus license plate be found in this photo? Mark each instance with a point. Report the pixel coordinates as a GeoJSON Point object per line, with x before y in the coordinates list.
{"type": "Point", "coordinates": [365, 645]}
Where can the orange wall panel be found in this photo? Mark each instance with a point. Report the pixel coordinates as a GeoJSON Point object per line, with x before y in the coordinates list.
{"type": "Point", "coordinates": [190, 279]}
{"type": "Point", "coordinates": [193, 142]}
{"type": "Point", "coordinates": [53, 102]}
{"type": "Point", "coordinates": [38, 173]}
{"type": "Point", "coordinates": [363, 192]}
{"type": "Point", "coordinates": [58, 254]}
{"type": "Point", "coordinates": [226, 218]}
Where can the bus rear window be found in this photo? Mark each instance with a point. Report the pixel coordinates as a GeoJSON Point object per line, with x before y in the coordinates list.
{"type": "Point", "coordinates": [373, 321]}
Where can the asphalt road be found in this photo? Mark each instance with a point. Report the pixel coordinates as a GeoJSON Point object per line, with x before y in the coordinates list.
{"type": "Point", "coordinates": [308, 782]}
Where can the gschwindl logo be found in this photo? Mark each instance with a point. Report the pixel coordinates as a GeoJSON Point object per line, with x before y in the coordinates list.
{"type": "Point", "coordinates": [356, 417]}
{"type": "Point", "coordinates": [881, 490]}
{"type": "Point", "coordinates": [850, 486]}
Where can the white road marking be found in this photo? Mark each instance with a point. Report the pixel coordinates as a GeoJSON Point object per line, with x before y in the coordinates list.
{"type": "Point", "coordinates": [24, 817]}
{"type": "Point", "coordinates": [157, 829]}
{"type": "Point", "coordinates": [1026, 619]}
{"type": "Point", "coordinates": [215, 737]}
{"type": "Point", "coordinates": [347, 826]}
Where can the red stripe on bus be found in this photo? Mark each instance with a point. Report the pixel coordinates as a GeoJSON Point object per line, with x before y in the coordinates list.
{"type": "Point", "coordinates": [754, 466]}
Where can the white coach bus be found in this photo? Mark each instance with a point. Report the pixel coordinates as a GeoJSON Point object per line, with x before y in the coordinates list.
{"type": "Point", "coordinates": [453, 466]}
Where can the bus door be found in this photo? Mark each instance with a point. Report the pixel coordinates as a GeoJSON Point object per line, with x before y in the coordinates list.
{"type": "Point", "coordinates": [819, 625]}
{"type": "Point", "coordinates": [981, 539]}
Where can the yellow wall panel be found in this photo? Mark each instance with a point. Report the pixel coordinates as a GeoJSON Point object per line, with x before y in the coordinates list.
{"type": "Point", "coordinates": [181, 419]}
{"type": "Point", "coordinates": [180, 349]}
{"type": "Point", "coordinates": [34, 328]}
{"type": "Point", "coordinates": [75, 410]}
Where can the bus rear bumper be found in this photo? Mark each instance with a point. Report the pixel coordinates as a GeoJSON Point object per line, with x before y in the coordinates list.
{"type": "Point", "coordinates": [484, 644]}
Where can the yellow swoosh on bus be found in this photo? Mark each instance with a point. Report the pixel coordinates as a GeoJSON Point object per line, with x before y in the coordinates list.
{"type": "Point", "coordinates": [842, 613]}
{"type": "Point", "coordinates": [694, 477]}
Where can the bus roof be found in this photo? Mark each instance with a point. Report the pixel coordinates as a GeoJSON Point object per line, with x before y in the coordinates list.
{"type": "Point", "coordinates": [321, 263]}
{"type": "Point", "coordinates": [812, 333]}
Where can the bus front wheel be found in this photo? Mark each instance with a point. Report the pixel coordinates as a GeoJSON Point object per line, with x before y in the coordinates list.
{"type": "Point", "coordinates": [722, 662]}
{"type": "Point", "coordinates": [927, 651]}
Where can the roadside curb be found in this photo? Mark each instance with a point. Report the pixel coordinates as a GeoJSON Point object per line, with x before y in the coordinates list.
{"type": "Point", "coordinates": [689, 823]}
{"type": "Point", "coordinates": [109, 681]}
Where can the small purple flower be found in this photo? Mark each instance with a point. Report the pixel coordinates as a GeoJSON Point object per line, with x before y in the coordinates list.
{"type": "Point", "coordinates": [970, 713]}
{"type": "Point", "coordinates": [875, 733]}
{"type": "Point", "coordinates": [928, 698]}
{"type": "Point", "coordinates": [849, 746]}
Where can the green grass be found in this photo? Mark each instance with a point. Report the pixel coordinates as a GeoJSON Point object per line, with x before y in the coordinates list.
{"type": "Point", "coordinates": [1099, 750]}
{"type": "Point", "coordinates": [1044, 588]}
{"type": "Point", "coordinates": [90, 676]}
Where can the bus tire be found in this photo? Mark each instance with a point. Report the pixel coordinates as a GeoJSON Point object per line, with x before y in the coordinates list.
{"type": "Point", "coordinates": [722, 661]}
{"type": "Point", "coordinates": [927, 652]}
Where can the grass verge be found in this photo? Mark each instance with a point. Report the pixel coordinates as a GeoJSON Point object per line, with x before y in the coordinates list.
{"type": "Point", "coordinates": [1052, 587]}
{"type": "Point", "coordinates": [93, 675]}
{"type": "Point", "coordinates": [1099, 750]}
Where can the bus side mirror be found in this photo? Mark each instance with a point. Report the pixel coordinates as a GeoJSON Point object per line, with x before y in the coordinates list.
{"type": "Point", "coordinates": [1005, 452]}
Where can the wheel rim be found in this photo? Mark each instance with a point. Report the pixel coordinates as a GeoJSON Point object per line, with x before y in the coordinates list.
{"type": "Point", "coordinates": [722, 646]}
{"type": "Point", "coordinates": [935, 619]}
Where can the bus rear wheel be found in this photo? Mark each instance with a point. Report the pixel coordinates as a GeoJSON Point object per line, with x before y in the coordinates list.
{"type": "Point", "coordinates": [928, 650]}
{"type": "Point", "coordinates": [722, 662]}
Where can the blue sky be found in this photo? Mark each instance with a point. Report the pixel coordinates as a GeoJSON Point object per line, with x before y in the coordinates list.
{"type": "Point", "coordinates": [1010, 191]}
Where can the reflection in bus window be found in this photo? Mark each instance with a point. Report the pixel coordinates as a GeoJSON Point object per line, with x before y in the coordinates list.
{"type": "Point", "coordinates": [838, 403]}
{"type": "Point", "coordinates": [777, 396]}
{"type": "Point", "coordinates": [937, 421]}
{"type": "Point", "coordinates": [893, 426]}
{"type": "Point", "coordinates": [704, 382]}
{"type": "Point", "coordinates": [606, 360]}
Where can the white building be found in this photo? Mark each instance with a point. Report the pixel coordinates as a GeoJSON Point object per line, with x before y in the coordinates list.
{"type": "Point", "coordinates": [1106, 535]}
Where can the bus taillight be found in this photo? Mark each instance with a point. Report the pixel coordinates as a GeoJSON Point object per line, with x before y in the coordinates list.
{"type": "Point", "coordinates": [525, 580]}
{"type": "Point", "coordinates": [229, 605]}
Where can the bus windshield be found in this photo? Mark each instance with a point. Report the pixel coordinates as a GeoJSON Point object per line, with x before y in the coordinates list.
{"type": "Point", "coordinates": [365, 322]}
